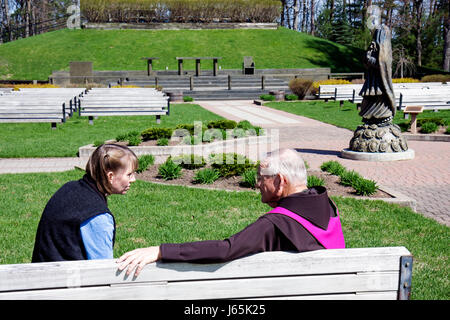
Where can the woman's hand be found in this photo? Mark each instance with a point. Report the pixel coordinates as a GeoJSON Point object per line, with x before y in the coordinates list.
{"type": "Point", "coordinates": [138, 259]}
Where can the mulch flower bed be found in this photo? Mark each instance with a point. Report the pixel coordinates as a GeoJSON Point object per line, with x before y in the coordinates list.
{"type": "Point", "coordinates": [233, 183]}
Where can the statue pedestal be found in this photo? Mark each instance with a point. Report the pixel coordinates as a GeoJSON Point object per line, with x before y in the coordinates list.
{"type": "Point", "coordinates": [378, 156]}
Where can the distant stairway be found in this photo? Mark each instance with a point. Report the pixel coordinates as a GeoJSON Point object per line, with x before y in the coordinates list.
{"type": "Point", "coordinates": [215, 88]}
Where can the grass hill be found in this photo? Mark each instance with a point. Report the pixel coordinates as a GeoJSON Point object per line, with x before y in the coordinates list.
{"type": "Point", "coordinates": [37, 57]}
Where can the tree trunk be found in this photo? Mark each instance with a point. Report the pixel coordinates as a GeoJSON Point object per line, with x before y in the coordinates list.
{"type": "Point", "coordinates": [303, 16]}
{"type": "Point", "coordinates": [446, 20]}
{"type": "Point", "coordinates": [27, 18]}
{"type": "Point", "coordinates": [331, 10]}
{"type": "Point", "coordinates": [312, 18]}
{"type": "Point", "coordinates": [5, 8]}
{"type": "Point", "coordinates": [418, 9]}
{"type": "Point", "coordinates": [283, 7]}
{"type": "Point", "coordinates": [296, 13]}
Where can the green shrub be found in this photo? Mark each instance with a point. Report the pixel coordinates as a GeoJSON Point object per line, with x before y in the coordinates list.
{"type": "Point", "coordinates": [189, 161]}
{"type": "Point", "coordinates": [333, 167]}
{"type": "Point", "coordinates": [245, 124]}
{"type": "Point", "coordinates": [191, 140]}
{"type": "Point", "coordinates": [122, 137]}
{"type": "Point", "coordinates": [267, 97]}
{"type": "Point", "coordinates": [300, 87]}
{"type": "Point", "coordinates": [169, 170]}
{"type": "Point", "coordinates": [249, 178]}
{"type": "Point", "coordinates": [156, 133]}
{"type": "Point", "coordinates": [259, 131]}
{"type": "Point", "coordinates": [206, 176]}
{"type": "Point", "coordinates": [162, 142]}
{"type": "Point", "coordinates": [231, 164]}
{"type": "Point", "coordinates": [349, 178]}
{"type": "Point", "coordinates": [144, 162]}
{"type": "Point", "coordinates": [365, 187]}
{"type": "Point", "coordinates": [133, 138]}
{"type": "Point", "coordinates": [188, 99]}
{"type": "Point", "coordinates": [314, 181]}
{"type": "Point", "coordinates": [188, 127]}
{"type": "Point", "coordinates": [436, 78]}
{"type": "Point", "coordinates": [447, 131]}
{"type": "Point", "coordinates": [437, 121]}
{"type": "Point", "coordinates": [290, 97]}
{"type": "Point", "coordinates": [428, 127]}
{"type": "Point", "coordinates": [404, 126]}
{"type": "Point", "coordinates": [211, 135]}
{"type": "Point", "coordinates": [222, 124]}
{"type": "Point", "coordinates": [98, 143]}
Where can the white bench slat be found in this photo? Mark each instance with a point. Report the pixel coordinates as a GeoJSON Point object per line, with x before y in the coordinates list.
{"type": "Point", "coordinates": [121, 113]}
{"type": "Point", "coordinates": [28, 119]}
{"type": "Point", "coordinates": [382, 295]}
{"type": "Point", "coordinates": [227, 288]}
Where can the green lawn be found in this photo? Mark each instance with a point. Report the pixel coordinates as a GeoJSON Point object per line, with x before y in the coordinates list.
{"type": "Point", "coordinates": [151, 214]}
{"type": "Point", "coordinates": [343, 117]}
{"type": "Point", "coordinates": [27, 140]}
{"type": "Point", "coordinates": [38, 56]}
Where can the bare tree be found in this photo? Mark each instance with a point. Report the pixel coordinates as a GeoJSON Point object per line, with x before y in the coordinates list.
{"type": "Point", "coordinates": [418, 11]}
{"type": "Point", "coordinates": [446, 24]}
{"type": "Point", "coordinates": [304, 11]}
{"type": "Point", "coordinates": [296, 14]}
{"type": "Point", "coordinates": [7, 18]}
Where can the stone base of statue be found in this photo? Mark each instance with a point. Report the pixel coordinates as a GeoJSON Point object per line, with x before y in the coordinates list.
{"type": "Point", "coordinates": [378, 142]}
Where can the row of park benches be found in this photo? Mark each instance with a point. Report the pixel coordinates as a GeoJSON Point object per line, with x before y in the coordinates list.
{"type": "Point", "coordinates": [430, 95]}
{"type": "Point", "coordinates": [356, 273]}
{"type": "Point", "coordinates": [39, 104]}
{"type": "Point", "coordinates": [55, 105]}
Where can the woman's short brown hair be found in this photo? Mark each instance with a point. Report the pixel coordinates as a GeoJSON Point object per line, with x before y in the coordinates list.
{"type": "Point", "coordinates": [109, 157]}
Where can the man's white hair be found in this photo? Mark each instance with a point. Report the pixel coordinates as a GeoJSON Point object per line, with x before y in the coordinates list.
{"type": "Point", "coordinates": [286, 162]}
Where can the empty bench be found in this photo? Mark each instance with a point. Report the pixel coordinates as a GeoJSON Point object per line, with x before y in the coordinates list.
{"type": "Point", "coordinates": [52, 105]}
{"type": "Point", "coordinates": [124, 102]}
{"type": "Point", "coordinates": [360, 273]}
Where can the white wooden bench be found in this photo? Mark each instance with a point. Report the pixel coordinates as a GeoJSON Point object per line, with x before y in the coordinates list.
{"type": "Point", "coordinates": [432, 96]}
{"type": "Point", "coordinates": [124, 102]}
{"type": "Point", "coordinates": [52, 105]}
{"type": "Point", "coordinates": [360, 273]}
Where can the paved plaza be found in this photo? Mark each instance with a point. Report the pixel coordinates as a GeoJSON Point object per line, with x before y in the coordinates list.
{"type": "Point", "coordinates": [426, 178]}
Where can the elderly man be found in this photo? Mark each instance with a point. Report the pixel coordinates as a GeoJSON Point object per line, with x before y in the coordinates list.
{"type": "Point", "coordinates": [303, 219]}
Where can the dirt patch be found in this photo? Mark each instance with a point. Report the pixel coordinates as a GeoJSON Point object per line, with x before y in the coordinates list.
{"type": "Point", "coordinates": [233, 183]}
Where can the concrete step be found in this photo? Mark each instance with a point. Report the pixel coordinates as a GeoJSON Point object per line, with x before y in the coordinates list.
{"type": "Point", "coordinates": [227, 94]}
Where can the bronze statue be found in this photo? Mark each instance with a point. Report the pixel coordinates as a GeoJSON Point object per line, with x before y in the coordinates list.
{"type": "Point", "coordinates": [378, 133]}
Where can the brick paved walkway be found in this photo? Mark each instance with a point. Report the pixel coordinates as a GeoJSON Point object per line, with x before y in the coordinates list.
{"type": "Point", "coordinates": [426, 178]}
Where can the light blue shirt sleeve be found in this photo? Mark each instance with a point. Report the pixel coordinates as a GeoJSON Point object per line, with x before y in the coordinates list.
{"type": "Point", "coordinates": [97, 234]}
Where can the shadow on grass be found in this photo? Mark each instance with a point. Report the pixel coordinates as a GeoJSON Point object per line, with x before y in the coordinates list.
{"type": "Point", "coordinates": [338, 58]}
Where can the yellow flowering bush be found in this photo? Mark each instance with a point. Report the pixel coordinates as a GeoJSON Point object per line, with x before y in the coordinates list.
{"type": "Point", "coordinates": [404, 80]}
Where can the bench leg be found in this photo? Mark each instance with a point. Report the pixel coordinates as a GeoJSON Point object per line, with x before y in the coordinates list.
{"type": "Point", "coordinates": [91, 120]}
{"type": "Point", "coordinates": [158, 119]}
{"type": "Point", "coordinates": [197, 67]}
{"type": "Point", "coordinates": [214, 67]}
{"type": "Point", "coordinates": [180, 67]}
{"type": "Point", "coordinates": [53, 125]}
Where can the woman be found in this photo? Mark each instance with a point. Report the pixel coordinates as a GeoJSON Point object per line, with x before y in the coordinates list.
{"type": "Point", "coordinates": [76, 223]}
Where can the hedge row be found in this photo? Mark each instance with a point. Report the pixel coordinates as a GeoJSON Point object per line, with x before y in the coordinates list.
{"type": "Point", "coordinates": [145, 11]}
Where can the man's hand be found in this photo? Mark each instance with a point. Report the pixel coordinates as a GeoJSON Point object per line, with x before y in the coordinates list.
{"type": "Point", "coordinates": [138, 259]}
